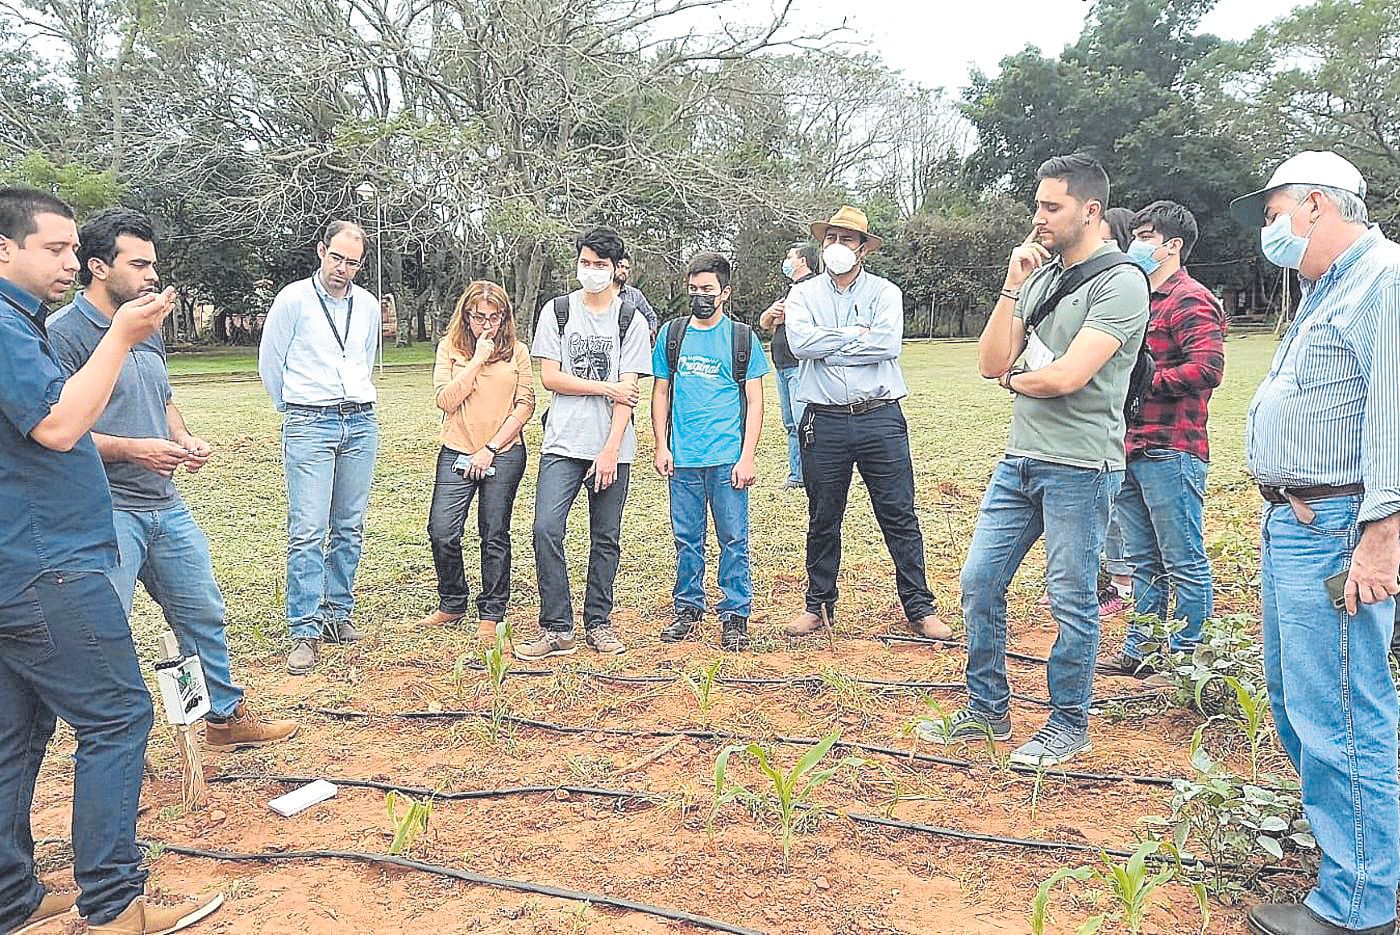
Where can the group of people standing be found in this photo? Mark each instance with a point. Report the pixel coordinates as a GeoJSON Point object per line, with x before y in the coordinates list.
{"type": "Point", "coordinates": [1109, 347]}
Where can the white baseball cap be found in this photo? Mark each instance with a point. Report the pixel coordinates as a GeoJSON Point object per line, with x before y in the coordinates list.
{"type": "Point", "coordinates": [1306, 168]}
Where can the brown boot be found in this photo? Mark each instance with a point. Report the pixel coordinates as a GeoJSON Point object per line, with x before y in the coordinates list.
{"type": "Point", "coordinates": [173, 915]}
{"type": "Point", "coordinates": [486, 629]}
{"type": "Point", "coordinates": [60, 898]}
{"type": "Point", "coordinates": [245, 729]}
{"type": "Point", "coordinates": [930, 627]}
{"type": "Point", "coordinates": [439, 618]}
{"type": "Point", "coordinates": [804, 624]}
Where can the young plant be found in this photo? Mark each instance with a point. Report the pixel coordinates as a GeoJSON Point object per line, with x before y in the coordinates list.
{"type": "Point", "coordinates": [702, 685]}
{"type": "Point", "coordinates": [788, 792]}
{"type": "Point", "coordinates": [1131, 884]}
{"type": "Point", "coordinates": [496, 662]}
{"type": "Point", "coordinates": [408, 825]}
{"type": "Point", "coordinates": [1251, 710]}
{"type": "Point", "coordinates": [936, 715]}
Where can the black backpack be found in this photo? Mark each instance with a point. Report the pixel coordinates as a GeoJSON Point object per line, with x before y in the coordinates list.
{"type": "Point", "coordinates": [1140, 383]}
{"type": "Point", "coordinates": [743, 349]}
{"type": "Point", "coordinates": [625, 314]}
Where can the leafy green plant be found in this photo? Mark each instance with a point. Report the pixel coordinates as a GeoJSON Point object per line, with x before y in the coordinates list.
{"type": "Point", "coordinates": [788, 791]}
{"type": "Point", "coordinates": [496, 662]}
{"type": "Point", "coordinates": [409, 825]}
{"type": "Point", "coordinates": [1251, 715]}
{"type": "Point", "coordinates": [1227, 648]}
{"type": "Point", "coordinates": [702, 685]}
{"type": "Point", "coordinates": [1130, 884]}
{"type": "Point", "coordinates": [936, 716]}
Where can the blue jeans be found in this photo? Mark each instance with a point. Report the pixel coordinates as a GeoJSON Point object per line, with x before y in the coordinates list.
{"type": "Point", "coordinates": [167, 552]}
{"type": "Point", "coordinates": [691, 490]}
{"type": "Point", "coordinates": [1069, 505]}
{"type": "Point", "coordinates": [452, 497]}
{"type": "Point", "coordinates": [1335, 708]}
{"type": "Point", "coordinates": [791, 409]}
{"type": "Point", "coordinates": [328, 459]}
{"type": "Point", "coordinates": [66, 651]}
{"type": "Point", "coordinates": [1161, 509]}
{"type": "Point", "coordinates": [1115, 550]}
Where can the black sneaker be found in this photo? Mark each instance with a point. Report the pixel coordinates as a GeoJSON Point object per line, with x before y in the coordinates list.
{"type": "Point", "coordinates": [734, 635]}
{"type": "Point", "coordinates": [686, 626]}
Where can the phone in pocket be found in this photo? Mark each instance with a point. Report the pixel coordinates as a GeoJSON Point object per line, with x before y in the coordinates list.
{"type": "Point", "coordinates": [1337, 588]}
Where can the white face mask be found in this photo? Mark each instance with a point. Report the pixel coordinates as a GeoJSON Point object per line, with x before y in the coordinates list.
{"type": "Point", "coordinates": [594, 280]}
{"type": "Point", "coordinates": [839, 258]}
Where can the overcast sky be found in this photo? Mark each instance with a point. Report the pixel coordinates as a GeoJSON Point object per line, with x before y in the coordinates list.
{"type": "Point", "coordinates": [934, 42]}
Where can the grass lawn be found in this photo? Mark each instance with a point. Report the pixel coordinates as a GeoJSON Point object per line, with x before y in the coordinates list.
{"type": "Point", "coordinates": [840, 879]}
{"type": "Point", "coordinates": [245, 359]}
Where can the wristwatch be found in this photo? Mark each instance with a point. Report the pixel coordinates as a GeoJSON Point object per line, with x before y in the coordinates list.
{"type": "Point", "coordinates": [492, 448]}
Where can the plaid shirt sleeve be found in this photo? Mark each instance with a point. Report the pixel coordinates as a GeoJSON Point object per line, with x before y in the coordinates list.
{"type": "Point", "coordinates": [1197, 332]}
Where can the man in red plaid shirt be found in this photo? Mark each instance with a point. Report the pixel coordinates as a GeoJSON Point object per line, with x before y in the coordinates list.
{"type": "Point", "coordinates": [1160, 508]}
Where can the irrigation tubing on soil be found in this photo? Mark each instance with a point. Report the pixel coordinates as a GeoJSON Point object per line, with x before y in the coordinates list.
{"type": "Point", "coordinates": [541, 889]}
{"type": "Point", "coordinates": [711, 735]}
{"type": "Point", "coordinates": [652, 797]}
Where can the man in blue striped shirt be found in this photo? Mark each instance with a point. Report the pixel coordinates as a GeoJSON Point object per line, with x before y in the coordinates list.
{"type": "Point", "coordinates": [1323, 442]}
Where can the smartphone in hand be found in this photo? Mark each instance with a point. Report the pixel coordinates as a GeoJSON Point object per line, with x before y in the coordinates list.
{"type": "Point", "coordinates": [1337, 588]}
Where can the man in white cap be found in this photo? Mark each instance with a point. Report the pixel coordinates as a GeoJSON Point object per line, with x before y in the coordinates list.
{"type": "Point", "coordinates": [1323, 443]}
{"type": "Point", "coordinates": [846, 329]}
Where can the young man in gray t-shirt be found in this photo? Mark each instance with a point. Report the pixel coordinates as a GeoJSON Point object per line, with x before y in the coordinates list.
{"type": "Point", "coordinates": [591, 362]}
{"type": "Point", "coordinates": [1064, 458]}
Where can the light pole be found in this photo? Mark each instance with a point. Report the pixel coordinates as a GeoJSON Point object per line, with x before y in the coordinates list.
{"type": "Point", "coordinates": [368, 192]}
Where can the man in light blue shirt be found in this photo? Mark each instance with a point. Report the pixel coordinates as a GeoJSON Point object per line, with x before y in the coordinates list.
{"type": "Point", "coordinates": [316, 360]}
{"type": "Point", "coordinates": [1323, 442]}
{"type": "Point", "coordinates": [706, 414]}
{"type": "Point", "coordinates": [846, 330]}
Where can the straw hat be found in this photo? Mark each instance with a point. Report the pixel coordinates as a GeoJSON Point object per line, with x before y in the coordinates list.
{"type": "Point", "coordinates": [848, 218]}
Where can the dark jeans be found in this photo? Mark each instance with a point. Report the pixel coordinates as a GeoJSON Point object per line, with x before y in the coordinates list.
{"type": "Point", "coordinates": [556, 488]}
{"type": "Point", "coordinates": [66, 651]}
{"type": "Point", "coordinates": [876, 443]}
{"type": "Point", "coordinates": [452, 497]}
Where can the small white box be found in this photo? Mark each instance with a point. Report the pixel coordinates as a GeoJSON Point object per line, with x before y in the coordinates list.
{"type": "Point", "coordinates": [299, 800]}
{"type": "Point", "coordinates": [182, 690]}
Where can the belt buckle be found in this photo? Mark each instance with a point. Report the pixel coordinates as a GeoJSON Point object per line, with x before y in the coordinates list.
{"type": "Point", "coordinates": [347, 409]}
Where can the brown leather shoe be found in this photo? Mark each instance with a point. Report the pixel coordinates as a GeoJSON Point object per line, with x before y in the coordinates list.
{"type": "Point", "coordinates": [245, 729]}
{"type": "Point", "coordinates": [172, 915]}
{"type": "Point", "coordinates": [439, 618]}
{"type": "Point", "coordinates": [59, 899]}
{"type": "Point", "coordinates": [931, 628]}
{"type": "Point", "coordinates": [486, 629]}
{"type": "Point", "coordinates": [804, 624]}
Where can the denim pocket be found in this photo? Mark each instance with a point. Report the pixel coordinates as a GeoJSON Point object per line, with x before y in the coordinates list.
{"type": "Point", "coordinates": [1335, 516]}
{"type": "Point", "coordinates": [24, 629]}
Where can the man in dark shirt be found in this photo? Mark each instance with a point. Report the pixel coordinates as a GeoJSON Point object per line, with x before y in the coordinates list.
{"type": "Point", "coordinates": [631, 295]}
{"type": "Point", "coordinates": [800, 264]}
{"type": "Point", "coordinates": [143, 439]}
{"type": "Point", "coordinates": [65, 648]}
{"type": "Point", "coordinates": [1161, 506]}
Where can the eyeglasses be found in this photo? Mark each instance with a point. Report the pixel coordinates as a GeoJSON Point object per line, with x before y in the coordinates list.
{"type": "Point", "coordinates": [486, 319]}
{"type": "Point", "coordinates": [338, 260]}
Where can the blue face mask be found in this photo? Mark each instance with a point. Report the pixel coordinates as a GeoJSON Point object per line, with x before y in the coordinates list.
{"type": "Point", "coordinates": [788, 268]}
{"type": "Point", "coordinates": [1281, 246]}
{"type": "Point", "coordinates": [1141, 253]}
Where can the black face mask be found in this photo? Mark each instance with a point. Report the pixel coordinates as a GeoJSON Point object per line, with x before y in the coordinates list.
{"type": "Point", "coordinates": [703, 306]}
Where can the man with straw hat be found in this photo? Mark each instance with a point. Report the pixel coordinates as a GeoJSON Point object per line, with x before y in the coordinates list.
{"type": "Point", "coordinates": [845, 328]}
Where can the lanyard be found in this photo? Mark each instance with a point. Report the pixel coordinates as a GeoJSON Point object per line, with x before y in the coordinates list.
{"type": "Point", "coordinates": [349, 308]}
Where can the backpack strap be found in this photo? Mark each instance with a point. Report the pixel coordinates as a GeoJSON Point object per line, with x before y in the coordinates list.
{"type": "Point", "coordinates": [675, 334]}
{"type": "Point", "coordinates": [1075, 277]}
{"type": "Point", "coordinates": [625, 314]}
{"type": "Point", "coordinates": [561, 312]}
{"type": "Point", "coordinates": [743, 350]}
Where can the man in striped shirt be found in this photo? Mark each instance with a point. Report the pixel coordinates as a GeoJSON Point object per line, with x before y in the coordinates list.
{"type": "Point", "coordinates": [1323, 442]}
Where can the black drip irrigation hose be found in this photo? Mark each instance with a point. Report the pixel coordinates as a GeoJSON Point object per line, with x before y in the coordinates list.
{"type": "Point", "coordinates": [950, 644]}
{"type": "Point", "coordinates": [809, 681]}
{"type": "Point", "coordinates": [710, 735]}
{"type": "Point", "coordinates": [653, 798]}
{"type": "Point", "coordinates": [541, 889]}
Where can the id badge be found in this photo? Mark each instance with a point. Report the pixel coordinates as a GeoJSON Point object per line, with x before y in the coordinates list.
{"type": "Point", "coordinates": [1037, 355]}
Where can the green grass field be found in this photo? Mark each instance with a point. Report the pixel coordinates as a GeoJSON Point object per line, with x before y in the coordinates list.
{"type": "Point", "coordinates": [244, 360]}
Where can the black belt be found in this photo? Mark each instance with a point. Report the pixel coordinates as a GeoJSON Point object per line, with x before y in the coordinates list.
{"type": "Point", "coordinates": [852, 409]}
{"type": "Point", "coordinates": [343, 409]}
{"type": "Point", "coordinates": [1309, 494]}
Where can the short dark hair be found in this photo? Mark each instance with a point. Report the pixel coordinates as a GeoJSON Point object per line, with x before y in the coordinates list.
{"type": "Point", "coordinates": [604, 241]}
{"type": "Point", "coordinates": [98, 237]}
{"type": "Point", "coordinates": [710, 262]}
{"type": "Point", "coordinates": [20, 206]}
{"type": "Point", "coordinates": [1170, 220]}
{"type": "Point", "coordinates": [341, 227]}
{"type": "Point", "coordinates": [1121, 222]}
{"type": "Point", "coordinates": [808, 251]}
{"type": "Point", "coordinates": [1083, 175]}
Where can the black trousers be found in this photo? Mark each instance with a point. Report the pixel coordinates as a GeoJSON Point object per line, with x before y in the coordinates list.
{"type": "Point", "coordinates": [452, 497]}
{"type": "Point", "coordinates": [877, 444]}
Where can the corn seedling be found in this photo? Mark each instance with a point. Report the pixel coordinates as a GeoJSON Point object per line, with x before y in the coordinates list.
{"type": "Point", "coordinates": [409, 825]}
{"type": "Point", "coordinates": [788, 792]}
{"type": "Point", "coordinates": [1131, 884]}
{"type": "Point", "coordinates": [1251, 706]}
{"type": "Point", "coordinates": [702, 685]}
{"type": "Point", "coordinates": [1040, 769]}
{"type": "Point", "coordinates": [497, 665]}
{"type": "Point", "coordinates": [936, 716]}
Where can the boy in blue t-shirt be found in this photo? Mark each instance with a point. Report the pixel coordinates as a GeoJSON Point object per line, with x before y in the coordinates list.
{"type": "Point", "coordinates": [707, 413]}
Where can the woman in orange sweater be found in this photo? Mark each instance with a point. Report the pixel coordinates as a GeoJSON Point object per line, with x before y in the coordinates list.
{"type": "Point", "coordinates": [486, 390]}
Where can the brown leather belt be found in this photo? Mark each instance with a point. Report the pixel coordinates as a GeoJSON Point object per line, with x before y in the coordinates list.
{"type": "Point", "coordinates": [1309, 494]}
